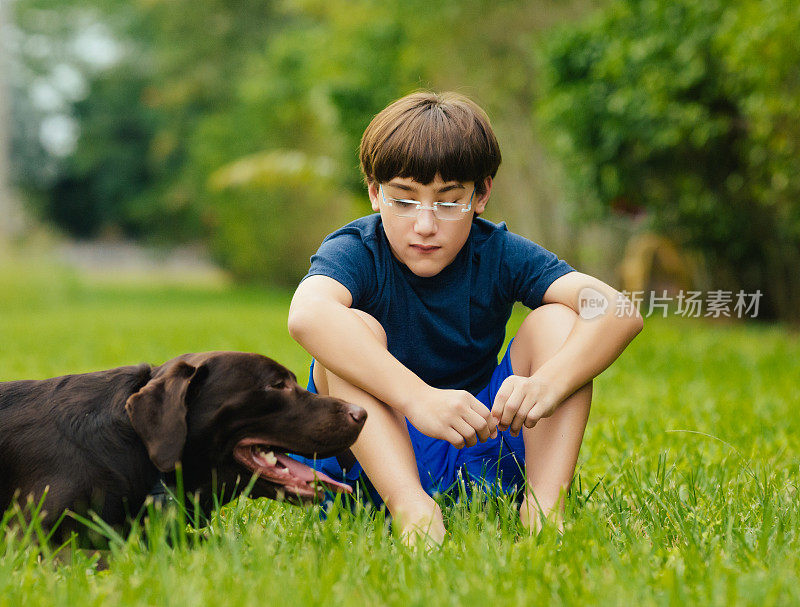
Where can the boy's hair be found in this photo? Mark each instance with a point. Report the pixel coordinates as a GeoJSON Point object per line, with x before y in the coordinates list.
{"type": "Point", "coordinates": [426, 133]}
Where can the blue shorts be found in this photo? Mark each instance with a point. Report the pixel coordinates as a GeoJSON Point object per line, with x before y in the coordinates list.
{"type": "Point", "coordinates": [498, 464]}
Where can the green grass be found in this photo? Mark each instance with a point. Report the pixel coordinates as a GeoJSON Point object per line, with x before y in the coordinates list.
{"type": "Point", "coordinates": [693, 439]}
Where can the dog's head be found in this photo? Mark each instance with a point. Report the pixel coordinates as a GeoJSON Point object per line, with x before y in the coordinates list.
{"type": "Point", "coordinates": [228, 415]}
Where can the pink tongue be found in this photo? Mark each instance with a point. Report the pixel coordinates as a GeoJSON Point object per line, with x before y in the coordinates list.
{"type": "Point", "coordinates": [306, 474]}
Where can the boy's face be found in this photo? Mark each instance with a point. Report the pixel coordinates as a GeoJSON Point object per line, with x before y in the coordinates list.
{"type": "Point", "coordinates": [425, 243]}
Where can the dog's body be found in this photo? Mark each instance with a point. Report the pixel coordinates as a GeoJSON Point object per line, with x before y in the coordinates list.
{"type": "Point", "coordinates": [100, 440]}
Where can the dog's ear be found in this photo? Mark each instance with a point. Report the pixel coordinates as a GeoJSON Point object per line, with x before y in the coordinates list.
{"type": "Point", "coordinates": [158, 413]}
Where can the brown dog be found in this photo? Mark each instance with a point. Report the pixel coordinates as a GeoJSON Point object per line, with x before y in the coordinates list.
{"type": "Point", "coordinates": [100, 440]}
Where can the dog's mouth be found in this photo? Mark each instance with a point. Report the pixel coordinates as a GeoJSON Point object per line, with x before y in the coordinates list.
{"type": "Point", "coordinates": [295, 479]}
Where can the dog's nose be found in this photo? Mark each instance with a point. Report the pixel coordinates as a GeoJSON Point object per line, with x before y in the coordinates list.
{"type": "Point", "coordinates": [358, 414]}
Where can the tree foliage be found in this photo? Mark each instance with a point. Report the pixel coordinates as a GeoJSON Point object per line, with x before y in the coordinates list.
{"type": "Point", "coordinates": [691, 111]}
{"type": "Point", "coordinates": [202, 88]}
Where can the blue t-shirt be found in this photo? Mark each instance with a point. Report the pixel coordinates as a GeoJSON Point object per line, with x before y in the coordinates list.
{"type": "Point", "coordinates": [448, 328]}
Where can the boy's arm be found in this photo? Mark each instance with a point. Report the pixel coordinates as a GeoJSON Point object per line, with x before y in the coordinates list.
{"type": "Point", "coordinates": [590, 348]}
{"type": "Point", "coordinates": [321, 321]}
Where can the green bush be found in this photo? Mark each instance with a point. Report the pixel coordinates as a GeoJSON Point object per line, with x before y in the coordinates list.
{"type": "Point", "coordinates": [270, 211]}
{"type": "Point", "coordinates": [691, 111]}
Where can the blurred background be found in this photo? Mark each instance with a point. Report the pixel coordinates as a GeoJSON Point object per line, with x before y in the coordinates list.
{"type": "Point", "coordinates": [651, 143]}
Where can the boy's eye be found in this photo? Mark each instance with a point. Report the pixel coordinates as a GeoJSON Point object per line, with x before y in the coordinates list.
{"type": "Point", "coordinates": [407, 204]}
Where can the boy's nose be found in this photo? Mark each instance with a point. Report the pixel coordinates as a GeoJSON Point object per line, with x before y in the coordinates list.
{"type": "Point", "coordinates": [425, 222]}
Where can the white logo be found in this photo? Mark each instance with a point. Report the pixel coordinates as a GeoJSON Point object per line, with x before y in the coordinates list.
{"type": "Point", "coordinates": [591, 303]}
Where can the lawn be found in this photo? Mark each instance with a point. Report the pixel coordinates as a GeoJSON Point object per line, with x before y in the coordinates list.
{"type": "Point", "coordinates": [686, 488]}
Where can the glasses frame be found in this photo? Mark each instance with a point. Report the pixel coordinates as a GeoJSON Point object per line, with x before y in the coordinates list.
{"type": "Point", "coordinates": [423, 207]}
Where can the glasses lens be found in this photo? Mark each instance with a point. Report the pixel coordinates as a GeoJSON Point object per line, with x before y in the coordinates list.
{"type": "Point", "coordinates": [404, 209]}
{"type": "Point", "coordinates": [449, 211]}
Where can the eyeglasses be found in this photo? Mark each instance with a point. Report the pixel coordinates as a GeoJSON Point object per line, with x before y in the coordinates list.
{"type": "Point", "coordinates": [448, 211]}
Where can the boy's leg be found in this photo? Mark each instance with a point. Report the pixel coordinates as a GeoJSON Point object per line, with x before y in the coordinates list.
{"type": "Point", "coordinates": [551, 447]}
{"type": "Point", "coordinates": [385, 453]}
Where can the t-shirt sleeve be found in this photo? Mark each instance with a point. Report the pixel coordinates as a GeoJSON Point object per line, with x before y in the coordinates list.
{"type": "Point", "coordinates": [528, 269]}
{"type": "Point", "coordinates": [344, 257]}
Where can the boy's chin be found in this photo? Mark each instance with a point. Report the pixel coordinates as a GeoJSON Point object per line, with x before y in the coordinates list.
{"type": "Point", "coordinates": [425, 269]}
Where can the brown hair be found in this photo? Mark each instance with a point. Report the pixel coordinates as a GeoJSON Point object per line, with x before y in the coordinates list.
{"type": "Point", "coordinates": [425, 134]}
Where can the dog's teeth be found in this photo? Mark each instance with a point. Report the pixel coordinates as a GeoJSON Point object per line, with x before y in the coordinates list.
{"type": "Point", "coordinates": [271, 459]}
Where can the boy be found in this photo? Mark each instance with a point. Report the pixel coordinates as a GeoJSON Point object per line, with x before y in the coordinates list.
{"type": "Point", "coordinates": [404, 313]}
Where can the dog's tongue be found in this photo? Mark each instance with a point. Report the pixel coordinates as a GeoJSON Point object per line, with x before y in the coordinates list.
{"type": "Point", "coordinates": [308, 475]}
{"type": "Point", "coordinates": [276, 467]}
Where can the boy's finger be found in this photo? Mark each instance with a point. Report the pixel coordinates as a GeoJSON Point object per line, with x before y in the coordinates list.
{"type": "Point", "coordinates": [505, 390]}
{"type": "Point", "coordinates": [455, 439]}
{"type": "Point", "coordinates": [492, 426]}
{"type": "Point", "coordinates": [532, 418]}
{"type": "Point", "coordinates": [479, 423]}
{"type": "Point", "coordinates": [538, 412]}
{"type": "Point", "coordinates": [510, 410]}
{"type": "Point", "coordinates": [522, 414]}
{"type": "Point", "coordinates": [467, 432]}
{"type": "Point", "coordinates": [491, 422]}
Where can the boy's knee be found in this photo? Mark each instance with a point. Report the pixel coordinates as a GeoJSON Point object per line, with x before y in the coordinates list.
{"type": "Point", "coordinates": [544, 331]}
{"type": "Point", "coordinates": [373, 324]}
{"type": "Point", "coordinates": [555, 317]}
{"type": "Point", "coordinates": [550, 319]}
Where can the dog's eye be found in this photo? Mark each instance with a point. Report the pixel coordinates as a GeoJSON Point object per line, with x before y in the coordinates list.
{"type": "Point", "coordinates": [278, 384]}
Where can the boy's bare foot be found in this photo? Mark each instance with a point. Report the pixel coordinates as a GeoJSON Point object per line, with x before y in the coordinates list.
{"type": "Point", "coordinates": [530, 515]}
{"type": "Point", "coordinates": [420, 521]}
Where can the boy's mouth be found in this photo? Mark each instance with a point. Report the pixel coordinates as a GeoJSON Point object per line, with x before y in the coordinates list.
{"type": "Point", "coordinates": [424, 248]}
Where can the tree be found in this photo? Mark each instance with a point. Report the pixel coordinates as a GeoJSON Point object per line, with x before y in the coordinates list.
{"type": "Point", "coordinates": [199, 89]}
{"type": "Point", "coordinates": [10, 211]}
{"type": "Point", "coordinates": [691, 111]}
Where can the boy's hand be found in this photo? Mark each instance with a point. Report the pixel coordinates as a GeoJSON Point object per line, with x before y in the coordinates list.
{"type": "Point", "coordinates": [523, 401]}
{"type": "Point", "coordinates": [452, 415]}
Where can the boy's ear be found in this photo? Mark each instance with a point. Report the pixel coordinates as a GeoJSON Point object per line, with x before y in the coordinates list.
{"type": "Point", "coordinates": [372, 190]}
{"type": "Point", "coordinates": [480, 200]}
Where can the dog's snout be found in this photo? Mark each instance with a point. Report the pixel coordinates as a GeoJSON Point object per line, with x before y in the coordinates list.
{"type": "Point", "coordinates": [358, 414]}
